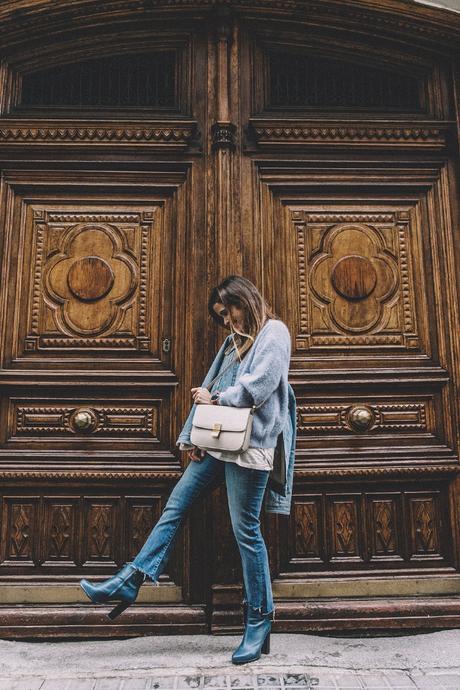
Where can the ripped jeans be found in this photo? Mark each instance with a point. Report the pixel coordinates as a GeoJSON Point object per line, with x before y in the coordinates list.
{"type": "Point", "coordinates": [245, 492]}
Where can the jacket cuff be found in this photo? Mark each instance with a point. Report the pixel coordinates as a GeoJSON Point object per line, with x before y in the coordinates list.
{"type": "Point", "coordinates": [185, 446]}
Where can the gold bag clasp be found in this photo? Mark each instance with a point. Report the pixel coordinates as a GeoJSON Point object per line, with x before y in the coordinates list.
{"type": "Point", "coordinates": [216, 429]}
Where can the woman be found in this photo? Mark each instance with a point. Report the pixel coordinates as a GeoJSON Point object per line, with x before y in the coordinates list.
{"type": "Point", "coordinates": [251, 368]}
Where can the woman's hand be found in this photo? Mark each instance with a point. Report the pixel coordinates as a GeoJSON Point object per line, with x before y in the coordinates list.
{"type": "Point", "coordinates": [201, 396]}
{"type": "Point", "coordinates": [196, 454]}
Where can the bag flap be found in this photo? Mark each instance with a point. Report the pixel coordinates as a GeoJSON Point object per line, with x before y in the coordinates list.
{"type": "Point", "coordinates": [231, 418]}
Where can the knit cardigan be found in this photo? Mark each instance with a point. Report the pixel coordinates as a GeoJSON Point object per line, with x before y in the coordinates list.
{"type": "Point", "coordinates": [262, 376]}
{"type": "Point", "coordinates": [262, 379]}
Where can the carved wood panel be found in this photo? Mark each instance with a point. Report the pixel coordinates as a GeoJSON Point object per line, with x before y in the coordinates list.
{"type": "Point", "coordinates": [95, 283]}
{"type": "Point", "coordinates": [93, 335]}
{"type": "Point", "coordinates": [53, 423]}
{"type": "Point", "coordinates": [60, 536]}
{"type": "Point", "coordinates": [370, 530]}
{"type": "Point", "coordinates": [353, 229]}
{"type": "Point", "coordinates": [49, 532]}
{"type": "Point", "coordinates": [88, 280]}
{"type": "Point", "coordinates": [360, 280]}
{"type": "Point", "coordinates": [20, 522]}
{"type": "Point", "coordinates": [142, 515]}
{"type": "Point", "coordinates": [386, 534]}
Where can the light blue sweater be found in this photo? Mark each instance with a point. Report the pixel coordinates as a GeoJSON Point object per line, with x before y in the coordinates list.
{"type": "Point", "coordinates": [262, 377]}
{"type": "Point", "coordinates": [262, 374]}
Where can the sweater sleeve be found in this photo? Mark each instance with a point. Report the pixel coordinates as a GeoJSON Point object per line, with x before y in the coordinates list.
{"type": "Point", "coordinates": [270, 361]}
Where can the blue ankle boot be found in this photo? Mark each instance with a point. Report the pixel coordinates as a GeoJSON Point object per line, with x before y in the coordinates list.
{"type": "Point", "coordinates": [123, 587]}
{"type": "Point", "coordinates": [256, 638]}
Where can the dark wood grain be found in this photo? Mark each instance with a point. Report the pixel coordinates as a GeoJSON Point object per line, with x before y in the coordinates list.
{"type": "Point", "coordinates": [311, 146]}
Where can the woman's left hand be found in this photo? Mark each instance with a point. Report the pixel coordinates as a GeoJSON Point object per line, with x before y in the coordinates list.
{"type": "Point", "coordinates": [201, 396]}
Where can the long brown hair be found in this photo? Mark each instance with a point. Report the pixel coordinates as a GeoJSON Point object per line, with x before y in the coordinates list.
{"type": "Point", "coordinates": [237, 291]}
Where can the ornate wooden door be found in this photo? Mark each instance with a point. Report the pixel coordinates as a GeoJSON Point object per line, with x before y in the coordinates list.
{"type": "Point", "coordinates": [102, 215]}
{"type": "Point", "coordinates": [347, 166]}
{"type": "Point", "coordinates": [290, 145]}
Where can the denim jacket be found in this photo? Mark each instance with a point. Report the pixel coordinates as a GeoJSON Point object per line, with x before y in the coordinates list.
{"type": "Point", "coordinates": [274, 502]}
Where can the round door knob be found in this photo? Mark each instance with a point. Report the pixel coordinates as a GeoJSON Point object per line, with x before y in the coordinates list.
{"type": "Point", "coordinates": [361, 418]}
{"type": "Point", "coordinates": [84, 420]}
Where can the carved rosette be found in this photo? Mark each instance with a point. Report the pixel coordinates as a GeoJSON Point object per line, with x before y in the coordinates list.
{"type": "Point", "coordinates": [355, 284]}
{"type": "Point", "coordinates": [223, 135]}
{"type": "Point", "coordinates": [353, 289]}
{"type": "Point", "coordinates": [87, 293]}
{"type": "Point", "coordinates": [90, 280]}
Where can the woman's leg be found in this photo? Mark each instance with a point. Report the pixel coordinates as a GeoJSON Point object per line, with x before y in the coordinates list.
{"type": "Point", "coordinates": [151, 559]}
{"type": "Point", "coordinates": [197, 478]}
{"type": "Point", "coordinates": [245, 491]}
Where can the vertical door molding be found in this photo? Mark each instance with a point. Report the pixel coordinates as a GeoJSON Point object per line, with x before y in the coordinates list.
{"type": "Point", "coordinates": [227, 241]}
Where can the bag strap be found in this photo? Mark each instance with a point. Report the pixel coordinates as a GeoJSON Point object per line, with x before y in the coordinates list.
{"type": "Point", "coordinates": [219, 376]}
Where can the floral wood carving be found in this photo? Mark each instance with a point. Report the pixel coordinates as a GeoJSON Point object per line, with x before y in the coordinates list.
{"type": "Point", "coordinates": [306, 525]}
{"type": "Point", "coordinates": [384, 527]}
{"type": "Point", "coordinates": [100, 530]}
{"type": "Point", "coordinates": [424, 522]}
{"type": "Point", "coordinates": [20, 531]}
{"type": "Point", "coordinates": [344, 527]}
{"type": "Point", "coordinates": [141, 520]}
{"type": "Point", "coordinates": [60, 532]}
{"type": "Point", "coordinates": [355, 280]}
{"type": "Point", "coordinates": [91, 279]}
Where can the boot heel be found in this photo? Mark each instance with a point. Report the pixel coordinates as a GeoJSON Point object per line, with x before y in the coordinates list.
{"type": "Point", "coordinates": [266, 645]}
{"type": "Point", "coordinates": [119, 608]}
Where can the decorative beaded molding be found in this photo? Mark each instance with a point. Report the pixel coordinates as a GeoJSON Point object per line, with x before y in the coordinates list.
{"type": "Point", "coordinates": [268, 133]}
{"type": "Point", "coordinates": [372, 473]}
{"type": "Point", "coordinates": [344, 217]}
{"type": "Point", "coordinates": [126, 343]}
{"type": "Point", "coordinates": [89, 475]}
{"type": "Point", "coordinates": [300, 473]}
{"type": "Point", "coordinates": [57, 420]}
{"type": "Point", "coordinates": [412, 417]}
{"type": "Point", "coordinates": [143, 287]}
{"type": "Point", "coordinates": [176, 135]}
{"type": "Point", "coordinates": [91, 217]}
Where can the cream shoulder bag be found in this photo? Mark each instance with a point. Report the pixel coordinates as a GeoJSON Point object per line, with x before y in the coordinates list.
{"type": "Point", "coordinates": [222, 427]}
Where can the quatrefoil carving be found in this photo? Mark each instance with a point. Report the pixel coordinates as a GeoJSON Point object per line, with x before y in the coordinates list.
{"type": "Point", "coordinates": [90, 282]}
{"type": "Point", "coordinates": [354, 278]}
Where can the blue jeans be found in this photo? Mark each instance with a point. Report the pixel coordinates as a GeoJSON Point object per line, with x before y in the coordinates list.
{"type": "Point", "coordinates": [245, 492]}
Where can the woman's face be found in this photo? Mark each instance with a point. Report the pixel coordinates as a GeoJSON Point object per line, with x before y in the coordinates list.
{"type": "Point", "coordinates": [233, 315]}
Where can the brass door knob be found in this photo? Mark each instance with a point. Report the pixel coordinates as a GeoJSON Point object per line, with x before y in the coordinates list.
{"type": "Point", "coordinates": [361, 418]}
{"type": "Point", "coordinates": [84, 420]}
